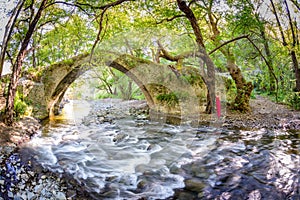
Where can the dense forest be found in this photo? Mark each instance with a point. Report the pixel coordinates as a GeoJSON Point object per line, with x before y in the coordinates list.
{"type": "Point", "coordinates": [254, 42]}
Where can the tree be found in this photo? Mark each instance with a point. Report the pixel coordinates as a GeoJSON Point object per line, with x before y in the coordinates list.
{"type": "Point", "coordinates": [17, 66]}
{"type": "Point", "coordinates": [244, 88]}
{"type": "Point", "coordinates": [33, 19]}
{"type": "Point", "coordinates": [210, 76]}
{"type": "Point", "coordinates": [8, 32]}
{"type": "Point", "coordinates": [291, 47]}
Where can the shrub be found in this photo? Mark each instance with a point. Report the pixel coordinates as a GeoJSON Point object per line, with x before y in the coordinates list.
{"type": "Point", "coordinates": [20, 107]}
{"type": "Point", "coordinates": [294, 100]}
{"type": "Point", "coordinates": [170, 99]}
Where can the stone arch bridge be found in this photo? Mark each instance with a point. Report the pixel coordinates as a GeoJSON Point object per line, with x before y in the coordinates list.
{"type": "Point", "coordinates": [166, 89]}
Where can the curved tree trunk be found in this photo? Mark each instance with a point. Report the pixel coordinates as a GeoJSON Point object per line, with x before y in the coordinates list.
{"type": "Point", "coordinates": [244, 88]}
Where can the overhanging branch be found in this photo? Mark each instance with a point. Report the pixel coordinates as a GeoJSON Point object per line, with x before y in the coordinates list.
{"type": "Point", "coordinates": [112, 4]}
{"type": "Point", "coordinates": [169, 19]}
{"type": "Point", "coordinates": [178, 58]}
{"type": "Point", "coordinates": [227, 42]}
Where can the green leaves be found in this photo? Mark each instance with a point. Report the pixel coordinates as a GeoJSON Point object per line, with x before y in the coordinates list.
{"type": "Point", "coordinates": [66, 40]}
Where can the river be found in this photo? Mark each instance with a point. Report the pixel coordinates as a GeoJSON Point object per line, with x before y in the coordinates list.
{"type": "Point", "coordinates": [115, 155]}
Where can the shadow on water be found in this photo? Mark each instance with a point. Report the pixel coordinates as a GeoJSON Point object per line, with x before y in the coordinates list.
{"type": "Point", "coordinates": [246, 165]}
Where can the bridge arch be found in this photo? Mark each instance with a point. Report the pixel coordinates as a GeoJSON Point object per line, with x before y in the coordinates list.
{"type": "Point", "coordinates": [157, 83]}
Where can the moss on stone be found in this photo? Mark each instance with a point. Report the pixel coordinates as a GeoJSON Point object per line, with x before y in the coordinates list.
{"type": "Point", "coordinates": [170, 99]}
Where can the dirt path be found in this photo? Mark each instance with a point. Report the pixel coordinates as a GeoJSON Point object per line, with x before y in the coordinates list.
{"type": "Point", "coordinates": [265, 114]}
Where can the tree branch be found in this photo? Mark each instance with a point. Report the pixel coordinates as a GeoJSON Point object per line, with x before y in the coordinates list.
{"type": "Point", "coordinates": [279, 24]}
{"type": "Point", "coordinates": [165, 54]}
{"type": "Point", "coordinates": [69, 4]}
{"type": "Point", "coordinates": [291, 23]}
{"type": "Point", "coordinates": [10, 58]}
{"type": "Point", "coordinates": [296, 4]}
{"type": "Point", "coordinates": [47, 22]}
{"type": "Point", "coordinates": [227, 42]}
{"type": "Point", "coordinates": [112, 4]}
{"type": "Point", "coordinates": [267, 63]}
{"type": "Point", "coordinates": [169, 19]}
{"type": "Point", "coordinates": [104, 8]}
{"type": "Point", "coordinates": [98, 39]}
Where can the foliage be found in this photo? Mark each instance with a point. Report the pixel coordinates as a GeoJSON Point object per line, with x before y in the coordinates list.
{"type": "Point", "coordinates": [294, 100]}
{"type": "Point", "coordinates": [20, 106]}
{"type": "Point", "coordinates": [66, 40]}
{"type": "Point", "coordinates": [170, 99]}
{"type": "Point", "coordinates": [230, 90]}
{"type": "Point", "coordinates": [34, 74]}
{"type": "Point", "coordinates": [122, 86]}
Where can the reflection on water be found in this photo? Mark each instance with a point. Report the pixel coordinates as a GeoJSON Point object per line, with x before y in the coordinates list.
{"type": "Point", "coordinates": [72, 113]}
{"type": "Point", "coordinates": [130, 158]}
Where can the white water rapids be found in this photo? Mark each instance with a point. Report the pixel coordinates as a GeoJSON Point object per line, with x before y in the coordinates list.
{"type": "Point", "coordinates": [122, 159]}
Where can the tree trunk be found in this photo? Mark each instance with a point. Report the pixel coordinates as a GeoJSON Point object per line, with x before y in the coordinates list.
{"type": "Point", "coordinates": [210, 74]}
{"type": "Point", "coordinates": [297, 70]}
{"type": "Point", "coordinates": [8, 31]}
{"type": "Point", "coordinates": [12, 87]}
{"type": "Point", "coordinates": [284, 43]}
{"type": "Point", "coordinates": [9, 110]}
{"type": "Point", "coordinates": [292, 52]}
{"type": "Point", "coordinates": [244, 89]}
{"type": "Point", "coordinates": [272, 76]}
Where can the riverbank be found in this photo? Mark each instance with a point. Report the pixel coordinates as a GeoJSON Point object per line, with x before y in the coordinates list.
{"type": "Point", "coordinates": [265, 114]}
{"type": "Point", "coordinates": [33, 180]}
{"type": "Point", "coordinates": [19, 133]}
{"type": "Point", "coordinates": [217, 162]}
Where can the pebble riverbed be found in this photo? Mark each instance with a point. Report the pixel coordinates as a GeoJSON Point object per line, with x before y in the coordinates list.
{"type": "Point", "coordinates": [21, 178]}
{"type": "Point", "coordinates": [19, 181]}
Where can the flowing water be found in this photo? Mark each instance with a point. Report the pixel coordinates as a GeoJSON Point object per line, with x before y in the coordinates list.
{"type": "Point", "coordinates": [118, 156]}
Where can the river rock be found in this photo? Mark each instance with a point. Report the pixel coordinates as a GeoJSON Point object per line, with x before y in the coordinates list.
{"type": "Point", "coordinates": [71, 193]}
{"type": "Point", "coordinates": [119, 137]}
{"type": "Point", "coordinates": [194, 184]}
{"type": "Point", "coordinates": [10, 194]}
{"type": "Point", "coordinates": [30, 195]}
{"type": "Point", "coordinates": [182, 195]}
{"type": "Point", "coordinates": [60, 196]}
{"type": "Point", "coordinates": [293, 125]}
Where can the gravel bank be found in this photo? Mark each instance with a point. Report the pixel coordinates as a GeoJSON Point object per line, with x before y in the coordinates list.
{"type": "Point", "coordinates": [19, 178]}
